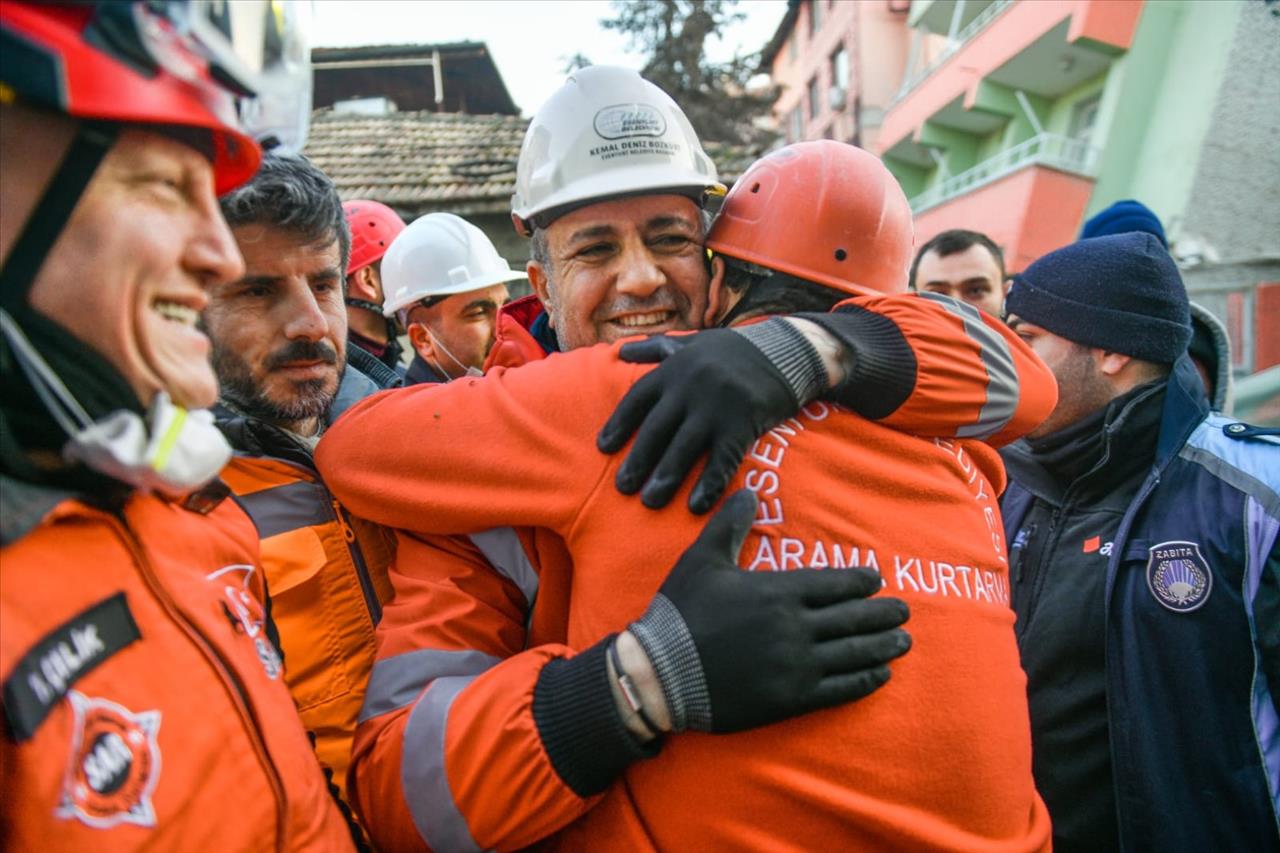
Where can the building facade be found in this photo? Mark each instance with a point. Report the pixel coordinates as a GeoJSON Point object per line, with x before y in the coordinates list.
{"type": "Point", "coordinates": [838, 64]}
{"type": "Point", "coordinates": [1022, 118]}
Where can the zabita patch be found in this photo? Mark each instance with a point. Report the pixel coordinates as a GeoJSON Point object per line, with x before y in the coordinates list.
{"type": "Point", "coordinates": [61, 658]}
{"type": "Point", "coordinates": [1178, 575]}
{"type": "Point", "coordinates": [114, 764]}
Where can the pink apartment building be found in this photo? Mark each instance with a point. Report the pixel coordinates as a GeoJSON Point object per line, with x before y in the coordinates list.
{"type": "Point", "coordinates": [839, 62]}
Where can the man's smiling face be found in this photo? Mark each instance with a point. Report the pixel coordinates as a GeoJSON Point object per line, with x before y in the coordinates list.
{"type": "Point", "coordinates": [620, 268]}
{"type": "Point", "coordinates": [133, 267]}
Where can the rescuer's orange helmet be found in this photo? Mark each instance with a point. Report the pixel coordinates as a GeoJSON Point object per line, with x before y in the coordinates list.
{"type": "Point", "coordinates": [823, 211]}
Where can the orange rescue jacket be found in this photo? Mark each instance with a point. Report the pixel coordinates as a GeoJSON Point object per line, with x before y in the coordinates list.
{"type": "Point", "coordinates": [938, 760]}
{"type": "Point", "coordinates": [449, 753]}
{"type": "Point", "coordinates": [143, 699]}
{"type": "Point", "coordinates": [327, 576]}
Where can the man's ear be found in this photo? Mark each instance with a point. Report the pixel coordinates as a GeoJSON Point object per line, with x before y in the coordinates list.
{"type": "Point", "coordinates": [717, 294]}
{"type": "Point", "coordinates": [421, 341]}
{"type": "Point", "coordinates": [1004, 288]}
{"type": "Point", "coordinates": [542, 288]}
{"type": "Point", "coordinates": [363, 284]}
{"type": "Point", "coordinates": [1111, 363]}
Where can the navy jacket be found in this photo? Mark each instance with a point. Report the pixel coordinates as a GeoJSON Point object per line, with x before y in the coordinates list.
{"type": "Point", "coordinates": [1192, 634]}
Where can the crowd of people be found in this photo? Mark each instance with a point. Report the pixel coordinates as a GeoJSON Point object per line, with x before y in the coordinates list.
{"type": "Point", "coordinates": [755, 526]}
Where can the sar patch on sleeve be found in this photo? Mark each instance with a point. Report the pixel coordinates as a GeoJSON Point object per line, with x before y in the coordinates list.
{"type": "Point", "coordinates": [66, 654]}
{"type": "Point", "coordinates": [114, 765]}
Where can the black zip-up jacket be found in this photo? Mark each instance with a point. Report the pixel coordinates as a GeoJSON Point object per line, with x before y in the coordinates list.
{"type": "Point", "coordinates": [1148, 603]}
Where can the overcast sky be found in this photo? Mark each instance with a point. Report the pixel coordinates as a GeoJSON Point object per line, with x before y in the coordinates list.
{"type": "Point", "coordinates": [530, 40]}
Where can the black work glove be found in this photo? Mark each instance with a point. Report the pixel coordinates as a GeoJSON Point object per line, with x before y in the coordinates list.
{"type": "Point", "coordinates": [734, 649]}
{"type": "Point", "coordinates": [715, 393]}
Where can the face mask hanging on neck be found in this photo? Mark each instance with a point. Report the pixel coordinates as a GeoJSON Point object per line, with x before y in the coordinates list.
{"type": "Point", "coordinates": [172, 452]}
{"type": "Point", "coordinates": [466, 371]}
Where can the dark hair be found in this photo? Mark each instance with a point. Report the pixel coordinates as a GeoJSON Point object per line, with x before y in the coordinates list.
{"type": "Point", "coordinates": [290, 193]}
{"type": "Point", "coordinates": [953, 242]}
{"type": "Point", "coordinates": [772, 292]}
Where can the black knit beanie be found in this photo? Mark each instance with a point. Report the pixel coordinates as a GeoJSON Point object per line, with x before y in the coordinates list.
{"type": "Point", "coordinates": [1121, 293]}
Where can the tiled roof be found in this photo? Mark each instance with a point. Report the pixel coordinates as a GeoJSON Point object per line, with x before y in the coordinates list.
{"type": "Point", "coordinates": [419, 161]}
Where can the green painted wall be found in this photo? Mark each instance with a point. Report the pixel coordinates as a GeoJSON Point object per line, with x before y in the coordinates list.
{"type": "Point", "coordinates": [914, 179]}
{"type": "Point", "coordinates": [1155, 108]}
{"type": "Point", "coordinates": [1060, 112]}
{"type": "Point", "coordinates": [990, 145]}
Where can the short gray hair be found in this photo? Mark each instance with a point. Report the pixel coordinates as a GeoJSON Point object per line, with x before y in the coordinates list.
{"type": "Point", "coordinates": [290, 193]}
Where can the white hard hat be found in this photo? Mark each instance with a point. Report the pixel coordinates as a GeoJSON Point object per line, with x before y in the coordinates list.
{"type": "Point", "coordinates": [606, 133]}
{"type": "Point", "coordinates": [438, 255]}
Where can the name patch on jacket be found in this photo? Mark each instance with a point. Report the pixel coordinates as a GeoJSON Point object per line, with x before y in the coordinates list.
{"type": "Point", "coordinates": [1178, 575]}
{"type": "Point", "coordinates": [65, 655]}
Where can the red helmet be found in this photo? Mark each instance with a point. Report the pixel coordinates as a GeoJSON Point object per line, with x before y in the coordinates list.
{"type": "Point", "coordinates": [373, 227]}
{"type": "Point", "coordinates": [182, 64]}
{"type": "Point", "coordinates": [824, 211]}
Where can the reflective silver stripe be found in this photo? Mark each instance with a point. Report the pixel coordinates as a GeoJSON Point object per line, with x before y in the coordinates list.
{"type": "Point", "coordinates": [1261, 529]}
{"type": "Point", "coordinates": [1002, 375]}
{"type": "Point", "coordinates": [397, 681]}
{"type": "Point", "coordinates": [422, 776]}
{"type": "Point", "coordinates": [501, 547]}
{"type": "Point", "coordinates": [288, 507]}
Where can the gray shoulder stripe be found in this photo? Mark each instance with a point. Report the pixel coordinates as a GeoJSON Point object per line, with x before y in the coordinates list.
{"type": "Point", "coordinates": [1230, 474]}
{"type": "Point", "coordinates": [287, 507]}
{"type": "Point", "coordinates": [422, 774]}
{"type": "Point", "coordinates": [1002, 376]}
{"type": "Point", "coordinates": [396, 681]}
{"type": "Point", "coordinates": [501, 547]}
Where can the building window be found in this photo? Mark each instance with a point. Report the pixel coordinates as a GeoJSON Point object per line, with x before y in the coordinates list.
{"type": "Point", "coordinates": [795, 126]}
{"type": "Point", "coordinates": [815, 16]}
{"type": "Point", "coordinates": [840, 69]}
{"type": "Point", "coordinates": [1084, 115]}
{"type": "Point", "coordinates": [815, 98]}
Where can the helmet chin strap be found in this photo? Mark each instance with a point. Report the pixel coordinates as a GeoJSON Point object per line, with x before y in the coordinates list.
{"type": "Point", "coordinates": [91, 143]}
{"type": "Point", "coordinates": [173, 452]}
{"type": "Point", "coordinates": [365, 304]}
{"type": "Point", "coordinates": [353, 302]}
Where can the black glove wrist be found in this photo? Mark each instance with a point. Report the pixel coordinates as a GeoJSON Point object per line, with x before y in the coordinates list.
{"type": "Point", "coordinates": [665, 638]}
{"type": "Point", "coordinates": [578, 722]}
{"type": "Point", "coordinates": [883, 372]}
{"type": "Point", "coordinates": [791, 353]}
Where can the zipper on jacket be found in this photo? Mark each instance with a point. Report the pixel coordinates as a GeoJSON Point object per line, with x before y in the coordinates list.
{"type": "Point", "coordinates": [224, 669]}
{"type": "Point", "coordinates": [357, 558]}
{"type": "Point", "coordinates": [348, 534]}
{"type": "Point", "coordinates": [1043, 557]}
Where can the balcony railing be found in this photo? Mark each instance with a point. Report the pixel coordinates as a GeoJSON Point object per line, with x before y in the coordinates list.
{"type": "Point", "coordinates": [1047, 149]}
{"type": "Point", "coordinates": [969, 30]}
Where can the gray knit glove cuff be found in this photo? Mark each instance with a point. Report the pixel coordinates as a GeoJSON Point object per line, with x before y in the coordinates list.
{"type": "Point", "coordinates": [665, 638]}
{"type": "Point", "coordinates": [790, 352]}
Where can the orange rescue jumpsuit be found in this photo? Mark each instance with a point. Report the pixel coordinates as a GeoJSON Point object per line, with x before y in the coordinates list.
{"type": "Point", "coordinates": [448, 751]}
{"type": "Point", "coordinates": [144, 702]}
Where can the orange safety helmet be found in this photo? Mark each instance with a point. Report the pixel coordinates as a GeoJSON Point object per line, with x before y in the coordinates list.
{"type": "Point", "coordinates": [823, 211]}
{"type": "Point", "coordinates": [240, 71]}
{"type": "Point", "coordinates": [373, 227]}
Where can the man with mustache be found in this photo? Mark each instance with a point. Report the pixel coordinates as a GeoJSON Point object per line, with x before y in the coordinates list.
{"type": "Point", "coordinates": [511, 703]}
{"type": "Point", "coordinates": [280, 352]}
